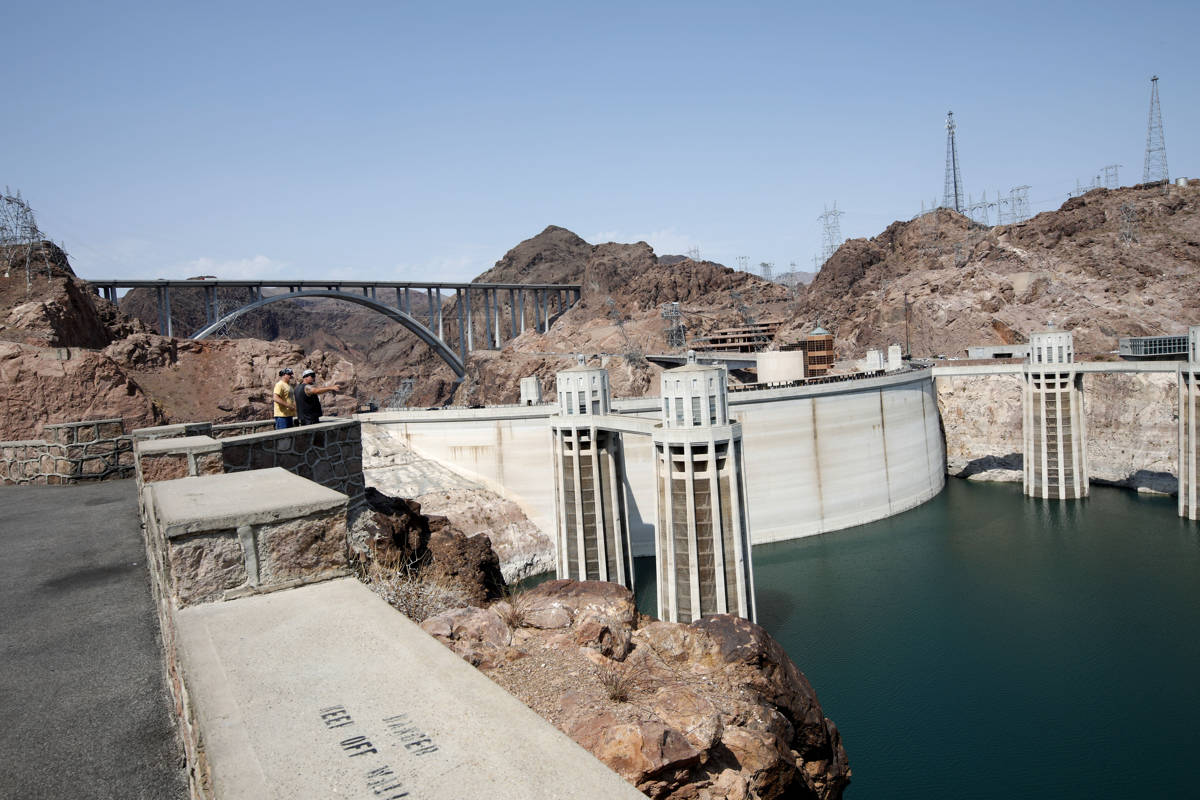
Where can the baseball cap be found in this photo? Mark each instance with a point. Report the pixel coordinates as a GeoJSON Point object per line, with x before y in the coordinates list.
{"type": "Point", "coordinates": [286, 371]}
{"type": "Point", "coordinates": [307, 372]}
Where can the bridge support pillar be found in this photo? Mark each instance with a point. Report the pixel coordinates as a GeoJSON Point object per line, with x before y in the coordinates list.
{"type": "Point", "coordinates": [1188, 379]}
{"type": "Point", "coordinates": [437, 296]}
{"type": "Point", "coordinates": [462, 342]}
{"type": "Point", "coordinates": [164, 311]}
{"type": "Point", "coordinates": [513, 312]}
{"type": "Point", "coordinates": [521, 307]}
{"type": "Point", "coordinates": [498, 318]}
{"type": "Point", "coordinates": [487, 320]}
{"type": "Point", "coordinates": [470, 322]}
{"type": "Point", "coordinates": [1054, 426]}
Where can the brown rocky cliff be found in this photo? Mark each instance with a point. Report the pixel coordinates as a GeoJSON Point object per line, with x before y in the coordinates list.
{"type": "Point", "coordinates": [710, 710]}
{"type": "Point", "coordinates": [1104, 265]}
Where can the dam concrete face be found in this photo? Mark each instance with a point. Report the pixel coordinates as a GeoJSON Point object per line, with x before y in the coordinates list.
{"type": "Point", "coordinates": [818, 458]}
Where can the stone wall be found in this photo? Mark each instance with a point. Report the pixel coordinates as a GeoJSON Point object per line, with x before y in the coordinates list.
{"type": "Point", "coordinates": [73, 452]}
{"type": "Point", "coordinates": [329, 453]}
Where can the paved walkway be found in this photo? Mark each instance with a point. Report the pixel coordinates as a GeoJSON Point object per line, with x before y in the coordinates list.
{"type": "Point", "coordinates": [83, 701]}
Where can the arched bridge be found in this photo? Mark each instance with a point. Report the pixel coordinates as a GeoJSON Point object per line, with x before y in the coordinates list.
{"type": "Point", "coordinates": [502, 306]}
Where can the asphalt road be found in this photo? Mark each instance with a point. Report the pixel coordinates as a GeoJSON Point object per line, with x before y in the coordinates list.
{"type": "Point", "coordinates": [83, 699]}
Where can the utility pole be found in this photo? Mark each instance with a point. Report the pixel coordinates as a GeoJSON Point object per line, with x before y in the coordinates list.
{"type": "Point", "coordinates": [1156, 148]}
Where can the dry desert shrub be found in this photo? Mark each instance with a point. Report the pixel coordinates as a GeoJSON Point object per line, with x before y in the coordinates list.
{"type": "Point", "coordinates": [621, 680]}
{"type": "Point", "coordinates": [414, 595]}
{"type": "Point", "coordinates": [513, 609]}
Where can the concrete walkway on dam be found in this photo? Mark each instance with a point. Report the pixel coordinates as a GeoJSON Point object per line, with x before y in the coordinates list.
{"type": "Point", "coordinates": [326, 691]}
{"type": "Point", "coordinates": [85, 704]}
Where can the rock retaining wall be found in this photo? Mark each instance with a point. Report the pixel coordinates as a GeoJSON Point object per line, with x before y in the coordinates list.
{"type": "Point", "coordinates": [73, 452]}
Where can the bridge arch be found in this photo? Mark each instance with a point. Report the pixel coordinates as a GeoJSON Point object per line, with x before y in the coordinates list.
{"type": "Point", "coordinates": [391, 312]}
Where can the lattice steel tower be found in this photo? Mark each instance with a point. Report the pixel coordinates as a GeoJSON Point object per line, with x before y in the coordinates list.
{"type": "Point", "coordinates": [953, 196]}
{"type": "Point", "coordinates": [831, 232]}
{"type": "Point", "coordinates": [1156, 147]}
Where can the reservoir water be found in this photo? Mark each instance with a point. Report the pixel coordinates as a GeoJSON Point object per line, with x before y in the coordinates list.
{"type": "Point", "coordinates": [988, 645]}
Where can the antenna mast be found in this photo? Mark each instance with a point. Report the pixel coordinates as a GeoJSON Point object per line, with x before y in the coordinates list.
{"type": "Point", "coordinates": [952, 197]}
{"type": "Point", "coordinates": [1156, 147]}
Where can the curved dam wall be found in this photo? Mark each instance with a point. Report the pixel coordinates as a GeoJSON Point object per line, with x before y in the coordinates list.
{"type": "Point", "coordinates": [818, 458]}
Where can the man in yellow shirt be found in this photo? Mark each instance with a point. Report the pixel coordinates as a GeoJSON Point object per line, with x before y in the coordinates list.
{"type": "Point", "coordinates": [285, 399]}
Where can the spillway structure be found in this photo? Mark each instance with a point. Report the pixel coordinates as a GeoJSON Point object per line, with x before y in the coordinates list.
{"type": "Point", "coordinates": [592, 527]}
{"type": "Point", "coordinates": [702, 535]}
{"type": "Point", "coordinates": [1054, 429]}
{"type": "Point", "coordinates": [1189, 443]}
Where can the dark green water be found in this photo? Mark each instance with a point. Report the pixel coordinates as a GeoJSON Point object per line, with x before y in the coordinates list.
{"type": "Point", "coordinates": [987, 645]}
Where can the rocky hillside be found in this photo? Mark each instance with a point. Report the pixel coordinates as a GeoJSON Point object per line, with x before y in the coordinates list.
{"type": "Point", "coordinates": [619, 316]}
{"type": "Point", "coordinates": [67, 355]}
{"type": "Point", "coordinates": [1107, 264]}
{"type": "Point", "coordinates": [1104, 265]}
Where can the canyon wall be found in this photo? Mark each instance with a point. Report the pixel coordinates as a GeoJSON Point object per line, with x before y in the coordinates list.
{"type": "Point", "coordinates": [1131, 428]}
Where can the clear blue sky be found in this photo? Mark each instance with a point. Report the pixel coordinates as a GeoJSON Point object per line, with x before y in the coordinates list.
{"type": "Point", "coordinates": [413, 141]}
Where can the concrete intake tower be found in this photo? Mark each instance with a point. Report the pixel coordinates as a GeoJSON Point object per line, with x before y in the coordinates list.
{"type": "Point", "coordinates": [1055, 431]}
{"type": "Point", "coordinates": [1189, 444]}
{"type": "Point", "coordinates": [593, 534]}
{"type": "Point", "coordinates": [702, 539]}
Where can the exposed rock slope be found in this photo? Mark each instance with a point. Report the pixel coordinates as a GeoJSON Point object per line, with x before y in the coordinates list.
{"type": "Point", "coordinates": [1107, 264]}
{"type": "Point", "coordinates": [710, 710]}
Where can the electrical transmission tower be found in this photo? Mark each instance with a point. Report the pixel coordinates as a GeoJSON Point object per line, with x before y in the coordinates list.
{"type": "Point", "coordinates": [768, 269]}
{"type": "Point", "coordinates": [1129, 224]}
{"type": "Point", "coordinates": [831, 232]}
{"type": "Point", "coordinates": [18, 235]}
{"type": "Point", "coordinates": [953, 196]}
{"type": "Point", "coordinates": [979, 211]}
{"type": "Point", "coordinates": [744, 263]}
{"type": "Point", "coordinates": [1156, 148]}
{"type": "Point", "coordinates": [693, 253]}
{"type": "Point", "coordinates": [1020, 203]}
{"type": "Point", "coordinates": [399, 398]}
{"type": "Point", "coordinates": [1111, 178]}
{"type": "Point", "coordinates": [676, 333]}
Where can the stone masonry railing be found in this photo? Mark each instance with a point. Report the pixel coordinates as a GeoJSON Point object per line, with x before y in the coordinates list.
{"type": "Point", "coordinates": [72, 452]}
{"type": "Point", "coordinates": [328, 453]}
